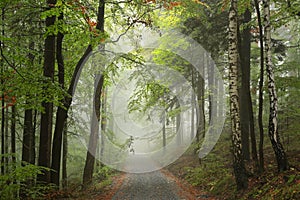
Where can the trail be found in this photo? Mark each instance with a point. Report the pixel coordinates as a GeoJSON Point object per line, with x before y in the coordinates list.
{"type": "Point", "coordinates": [157, 185]}
{"type": "Point", "coordinates": [152, 185]}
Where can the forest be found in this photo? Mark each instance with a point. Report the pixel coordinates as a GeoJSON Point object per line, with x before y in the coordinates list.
{"type": "Point", "coordinates": [150, 99]}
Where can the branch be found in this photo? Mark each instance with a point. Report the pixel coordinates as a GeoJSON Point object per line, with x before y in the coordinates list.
{"type": "Point", "coordinates": [138, 20]}
{"type": "Point", "coordinates": [10, 65]}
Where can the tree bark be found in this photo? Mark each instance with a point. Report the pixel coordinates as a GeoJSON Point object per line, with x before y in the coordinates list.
{"type": "Point", "coordinates": [93, 140]}
{"type": "Point", "coordinates": [200, 98]}
{"type": "Point", "coordinates": [13, 134]}
{"type": "Point", "coordinates": [90, 159]}
{"type": "Point", "coordinates": [244, 91]}
{"type": "Point", "coordinates": [64, 157]}
{"type": "Point", "coordinates": [28, 131]}
{"type": "Point", "coordinates": [238, 161]}
{"type": "Point", "coordinates": [6, 135]}
{"type": "Point", "coordinates": [103, 123]}
{"type": "Point", "coordinates": [2, 130]}
{"type": "Point", "coordinates": [2, 101]}
{"type": "Point", "coordinates": [57, 139]}
{"type": "Point", "coordinates": [211, 75]}
{"type": "Point", "coordinates": [47, 115]}
{"type": "Point", "coordinates": [273, 133]}
{"type": "Point", "coordinates": [178, 126]}
{"type": "Point", "coordinates": [193, 104]}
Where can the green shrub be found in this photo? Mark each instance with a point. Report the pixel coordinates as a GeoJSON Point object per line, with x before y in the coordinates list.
{"type": "Point", "coordinates": [17, 178]}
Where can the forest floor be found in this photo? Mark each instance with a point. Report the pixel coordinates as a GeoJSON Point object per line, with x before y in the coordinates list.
{"type": "Point", "coordinates": [178, 182]}
{"type": "Point", "coordinates": [189, 179]}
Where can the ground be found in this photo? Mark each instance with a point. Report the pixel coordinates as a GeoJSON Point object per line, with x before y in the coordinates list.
{"type": "Point", "coordinates": [190, 179]}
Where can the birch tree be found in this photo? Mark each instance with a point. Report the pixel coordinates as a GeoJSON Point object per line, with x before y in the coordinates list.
{"type": "Point", "coordinates": [238, 161]}
{"type": "Point", "coordinates": [273, 120]}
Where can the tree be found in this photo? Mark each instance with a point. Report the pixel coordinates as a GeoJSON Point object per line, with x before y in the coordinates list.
{"type": "Point", "coordinates": [280, 154]}
{"type": "Point", "coordinates": [28, 146]}
{"type": "Point", "coordinates": [2, 97]}
{"type": "Point", "coordinates": [261, 84]}
{"type": "Point", "coordinates": [244, 91]}
{"type": "Point", "coordinates": [47, 115]}
{"type": "Point", "coordinates": [99, 83]}
{"type": "Point", "coordinates": [93, 139]}
{"type": "Point", "coordinates": [238, 159]}
{"type": "Point", "coordinates": [58, 134]}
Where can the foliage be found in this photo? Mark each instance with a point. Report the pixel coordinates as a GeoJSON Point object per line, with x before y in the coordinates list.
{"type": "Point", "coordinates": [17, 178]}
{"type": "Point", "coordinates": [103, 173]}
{"type": "Point", "coordinates": [23, 84]}
{"type": "Point", "coordinates": [283, 186]}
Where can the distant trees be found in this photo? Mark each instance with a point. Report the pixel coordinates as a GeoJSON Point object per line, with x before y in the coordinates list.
{"type": "Point", "coordinates": [260, 87]}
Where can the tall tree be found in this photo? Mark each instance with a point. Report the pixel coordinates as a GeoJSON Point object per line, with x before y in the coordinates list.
{"type": "Point", "coordinates": [247, 119]}
{"type": "Point", "coordinates": [28, 147]}
{"type": "Point", "coordinates": [238, 160]}
{"type": "Point", "coordinates": [47, 115]}
{"type": "Point", "coordinates": [280, 154]}
{"type": "Point", "coordinates": [58, 134]}
{"type": "Point", "coordinates": [64, 157]}
{"type": "Point", "coordinates": [93, 139]}
{"type": "Point", "coordinates": [2, 95]}
{"type": "Point", "coordinates": [244, 92]}
{"type": "Point", "coordinates": [201, 104]}
{"type": "Point", "coordinates": [261, 84]}
{"type": "Point", "coordinates": [99, 81]}
{"type": "Point", "coordinates": [13, 134]}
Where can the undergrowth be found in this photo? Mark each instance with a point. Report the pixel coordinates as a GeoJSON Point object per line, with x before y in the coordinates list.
{"type": "Point", "coordinates": [214, 174]}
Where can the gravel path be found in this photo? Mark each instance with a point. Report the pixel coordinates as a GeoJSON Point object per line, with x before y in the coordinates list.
{"type": "Point", "coordinates": [156, 185]}
{"type": "Point", "coordinates": [147, 186]}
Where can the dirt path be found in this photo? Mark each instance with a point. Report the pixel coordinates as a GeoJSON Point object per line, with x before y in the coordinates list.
{"type": "Point", "coordinates": [152, 185]}
{"type": "Point", "coordinates": [157, 185]}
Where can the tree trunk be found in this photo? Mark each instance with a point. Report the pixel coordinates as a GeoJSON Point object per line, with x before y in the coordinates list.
{"type": "Point", "coordinates": [13, 134]}
{"type": "Point", "coordinates": [2, 130]}
{"type": "Point", "coordinates": [13, 143]}
{"type": "Point", "coordinates": [28, 130]}
{"type": "Point", "coordinates": [280, 154]}
{"type": "Point", "coordinates": [164, 131]}
{"type": "Point", "coordinates": [64, 157]}
{"type": "Point", "coordinates": [93, 140]}
{"type": "Point", "coordinates": [193, 104]}
{"type": "Point", "coordinates": [2, 100]}
{"type": "Point", "coordinates": [238, 161]}
{"type": "Point", "coordinates": [33, 151]}
{"type": "Point", "coordinates": [90, 159]}
{"type": "Point", "coordinates": [103, 122]}
{"type": "Point", "coordinates": [178, 126]}
{"type": "Point", "coordinates": [57, 139]}
{"type": "Point", "coordinates": [261, 83]}
{"type": "Point", "coordinates": [200, 98]}
{"type": "Point", "coordinates": [211, 75]}
{"type": "Point", "coordinates": [46, 117]}
{"type": "Point", "coordinates": [244, 91]}
{"type": "Point", "coordinates": [249, 119]}
{"type": "Point", "coordinates": [6, 160]}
